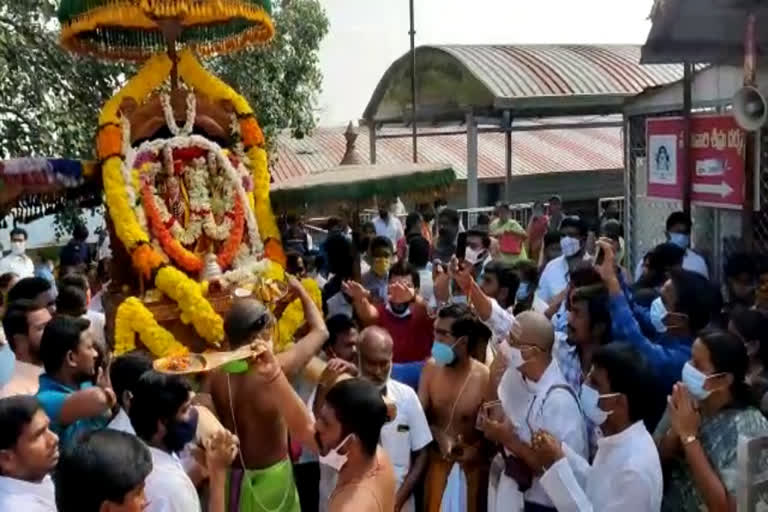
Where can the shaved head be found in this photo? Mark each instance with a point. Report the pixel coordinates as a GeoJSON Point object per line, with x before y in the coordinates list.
{"type": "Point", "coordinates": [375, 339]}
{"type": "Point", "coordinates": [536, 330]}
{"type": "Point", "coordinates": [374, 353]}
{"type": "Point", "coordinates": [245, 320]}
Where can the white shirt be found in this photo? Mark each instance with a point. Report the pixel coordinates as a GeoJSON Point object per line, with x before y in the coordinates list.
{"type": "Point", "coordinates": [392, 228]}
{"type": "Point", "coordinates": [168, 488]}
{"type": "Point", "coordinates": [408, 432]}
{"type": "Point", "coordinates": [19, 264]}
{"type": "Point", "coordinates": [692, 261]}
{"type": "Point", "coordinates": [532, 407]}
{"type": "Point", "coordinates": [626, 475]}
{"type": "Point", "coordinates": [122, 423]}
{"type": "Point", "coordinates": [20, 495]}
{"type": "Point", "coordinates": [98, 326]}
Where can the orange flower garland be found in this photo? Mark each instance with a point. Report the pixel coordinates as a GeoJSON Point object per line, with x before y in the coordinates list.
{"type": "Point", "coordinates": [251, 133]}
{"type": "Point", "coordinates": [184, 258]}
{"type": "Point", "coordinates": [109, 141]}
{"type": "Point", "coordinates": [232, 245]}
{"type": "Point", "coordinates": [146, 260]}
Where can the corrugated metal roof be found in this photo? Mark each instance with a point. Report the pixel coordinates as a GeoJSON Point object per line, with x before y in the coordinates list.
{"type": "Point", "coordinates": [554, 76]}
{"type": "Point", "coordinates": [523, 71]}
{"type": "Point", "coordinates": [533, 152]}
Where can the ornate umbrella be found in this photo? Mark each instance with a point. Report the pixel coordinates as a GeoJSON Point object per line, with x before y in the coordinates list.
{"type": "Point", "coordinates": [136, 29]}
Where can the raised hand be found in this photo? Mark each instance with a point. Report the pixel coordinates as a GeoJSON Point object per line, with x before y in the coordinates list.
{"type": "Point", "coordinates": [354, 290]}
{"type": "Point", "coordinates": [548, 449]}
{"type": "Point", "coordinates": [400, 293]}
{"type": "Point", "coordinates": [220, 450]}
{"type": "Point", "coordinates": [263, 362]}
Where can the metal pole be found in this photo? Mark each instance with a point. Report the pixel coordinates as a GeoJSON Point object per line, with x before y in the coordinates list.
{"type": "Point", "coordinates": [508, 155]}
{"type": "Point", "coordinates": [414, 128]}
{"type": "Point", "coordinates": [471, 161]}
{"type": "Point", "coordinates": [687, 104]}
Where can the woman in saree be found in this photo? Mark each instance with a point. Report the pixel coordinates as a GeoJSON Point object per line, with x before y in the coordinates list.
{"type": "Point", "coordinates": [698, 435]}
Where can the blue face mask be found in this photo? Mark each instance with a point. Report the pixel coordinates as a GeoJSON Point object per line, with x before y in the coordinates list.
{"type": "Point", "coordinates": [680, 239]}
{"type": "Point", "coordinates": [180, 433]}
{"type": "Point", "coordinates": [522, 291]}
{"type": "Point", "coordinates": [694, 381]}
{"type": "Point", "coordinates": [443, 353]}
{"type": "Point", "coordinates": [658, 313]}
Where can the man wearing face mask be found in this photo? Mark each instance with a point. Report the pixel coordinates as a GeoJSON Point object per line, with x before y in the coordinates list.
{"type": "Point", "coordinates": [678, 232]}
{"type": "Point", "coordinates": [626, 472]}
{"type": "Point", "coordinates": [376, 280]}
{"type": "Point", "coordinates": [387, 225]}
{"type": "Point", "coordinates": [478, 252]}
{"type": "Point", "coordinates": [451, 390]}
{"type": "Point", "coordinates": [687, 304]}
{"type": "Point", "coordinates": [163, 417]}
{"type": "Point", "coordinates": [17, 261]}
{"type": "Point", "coordinates": [534, 396]}
{"type": "Point", "coordinates": [404, 316]}
{"type": "Point", "coordinates": [556, 275]}
{"type": "Point", "coordinates": [405, 439]}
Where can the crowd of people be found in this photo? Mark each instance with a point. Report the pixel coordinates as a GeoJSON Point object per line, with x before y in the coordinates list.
{"type": "Point", "coordinates": [497, 367]}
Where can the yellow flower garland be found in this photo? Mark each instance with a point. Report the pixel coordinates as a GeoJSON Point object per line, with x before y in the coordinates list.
{"type": "Point", "coordinates": [151, 75]}
{"type": "Point", "coordinates": [134, 318]}
{"type": "Point", "coordinates": [195, 309]}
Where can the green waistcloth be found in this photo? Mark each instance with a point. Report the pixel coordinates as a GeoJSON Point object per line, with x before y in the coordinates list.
{"type": "Point", "coordinates": [266, 490]}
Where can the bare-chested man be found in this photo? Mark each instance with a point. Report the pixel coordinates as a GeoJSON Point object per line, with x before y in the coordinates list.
{"type": "Point", "coordinates": [262, 476]}
{"type": "Point", "coordinates": [452, 389]}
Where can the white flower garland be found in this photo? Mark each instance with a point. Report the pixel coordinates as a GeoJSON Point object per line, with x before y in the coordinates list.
{"type": "Point", "coordinates": [232, 174]}
{"type": "Point", "coordinates": [170, 119]}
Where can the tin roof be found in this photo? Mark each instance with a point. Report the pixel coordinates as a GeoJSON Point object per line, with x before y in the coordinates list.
{"type": "Point", "coordinates": [533, 152]}
{"type": "Point", "coordinates": [704, 31]}
{"type": "Point", "coordinates": [527, 79]}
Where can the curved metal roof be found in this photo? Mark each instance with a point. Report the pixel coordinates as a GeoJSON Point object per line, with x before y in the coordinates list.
{"type": "Point", "coordinates": [531, 80]}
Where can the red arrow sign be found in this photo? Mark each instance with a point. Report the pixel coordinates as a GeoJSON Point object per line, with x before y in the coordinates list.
{"type": "Point", "coordinates": [718, 146]}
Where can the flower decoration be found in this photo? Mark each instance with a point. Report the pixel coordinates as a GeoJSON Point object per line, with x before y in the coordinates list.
{"type": "Point", "coordinates": [134, 318]}
{"type": "Point", "coordinates": [293, 316]}
{"type": "Point", "coordinates": [194, 308]}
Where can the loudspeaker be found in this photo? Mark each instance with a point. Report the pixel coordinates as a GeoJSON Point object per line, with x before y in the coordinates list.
{"type": "Point", "coordinates": [750, 108]}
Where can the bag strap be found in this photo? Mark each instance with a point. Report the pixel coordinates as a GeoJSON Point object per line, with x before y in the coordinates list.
{"type": "Point", "coordinates": [564, 387]}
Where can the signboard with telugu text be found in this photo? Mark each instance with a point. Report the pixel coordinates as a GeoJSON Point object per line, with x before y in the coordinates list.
{"type": "Point", "coordinates": [717, 160]}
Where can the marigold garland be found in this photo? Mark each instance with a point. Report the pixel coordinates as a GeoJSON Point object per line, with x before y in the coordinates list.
{"type": "Point", "coordinates": [194, 308]}
{"type": "Point", "coordinates": [127, 227]}
{"type": "Point", "coordinates": [134, 318]}
{"type": "Point", "coordinates": [232, 245]}
{"type": "Point", "coordinates": [293, 316]}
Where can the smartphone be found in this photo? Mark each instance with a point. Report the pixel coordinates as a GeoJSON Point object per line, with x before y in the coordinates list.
{"type": "Point", "coordinates": [461, 246]}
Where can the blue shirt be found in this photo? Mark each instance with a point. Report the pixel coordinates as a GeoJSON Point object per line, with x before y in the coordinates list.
{"type": "Point", "coordinates": [52, 395]}
{"type": "Point", "coordinates": [666, 354]}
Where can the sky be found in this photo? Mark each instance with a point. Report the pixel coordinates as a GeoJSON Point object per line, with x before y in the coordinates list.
{"type": "Point", "coordinates": [366, 36]}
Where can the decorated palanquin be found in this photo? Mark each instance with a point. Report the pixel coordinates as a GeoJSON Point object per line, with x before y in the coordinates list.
{"type": "Point", "coordinates": [185, 173]}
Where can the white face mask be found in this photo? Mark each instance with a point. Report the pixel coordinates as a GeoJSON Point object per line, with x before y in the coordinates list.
{"type": "Point", "coordinates": [333, 458]}
{"type": "Point", "coordinates": [570, 246]}
{"type": "Point", "coordinates": [512, 354]}
{"type": "Point", "coordinates": [18, 248]}
{"type": "Point", "coordinates": [474, 256]}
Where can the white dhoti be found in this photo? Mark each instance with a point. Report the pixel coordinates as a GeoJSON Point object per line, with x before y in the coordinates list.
{"type": "Point", "coordinates": [503, 493]}
{"type": "Point", "coordinates": [455, 493]}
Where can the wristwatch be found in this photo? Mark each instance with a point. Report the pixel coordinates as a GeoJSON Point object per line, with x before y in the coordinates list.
{"type": "Point", "coordinates": [688, 440]}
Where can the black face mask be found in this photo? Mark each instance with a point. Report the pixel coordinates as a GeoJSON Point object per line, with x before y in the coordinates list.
{"type": "Point", "coordinates": [179, 433]}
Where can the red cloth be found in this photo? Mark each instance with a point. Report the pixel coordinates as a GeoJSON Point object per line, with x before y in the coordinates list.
{"type": "Point", "coordinates": [412, 335]}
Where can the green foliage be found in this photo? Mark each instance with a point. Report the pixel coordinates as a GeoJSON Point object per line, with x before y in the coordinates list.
{"type": "Point", "coordinates": [281, 80]}
{"type": "Point", "coordinates": [49, 99]}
